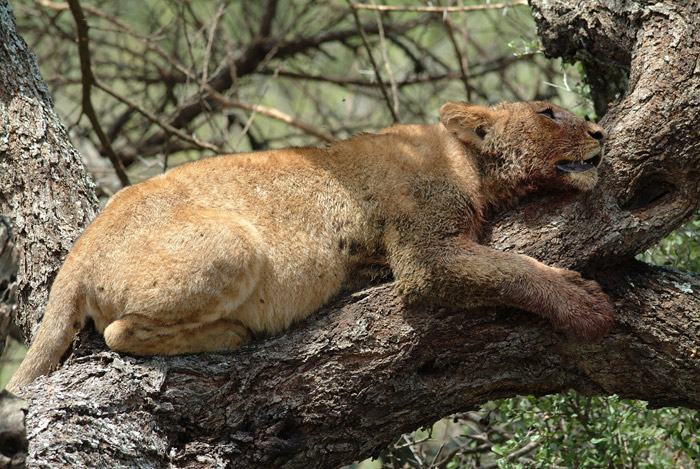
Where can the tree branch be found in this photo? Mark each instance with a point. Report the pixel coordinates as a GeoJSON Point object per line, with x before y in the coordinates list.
{"type": "Point", "coordinates": [251, 58]}
{"type": "Point", "coordinates": [460, 57]}
{"type": "Point", "coordinates": [441, 9]}
{"type": "Point", "coordinates": [341, 385]}
{"type": "Point", "coordinates": [197, 143]}
{"type": "Point", "coordinates": [88, 81]}
{"type": "Point", "coordinates": [44, 190]}
{"type": "Point", "coordinates": [368, 48]}
{"type": "Point", "coordinates": [476, 70]}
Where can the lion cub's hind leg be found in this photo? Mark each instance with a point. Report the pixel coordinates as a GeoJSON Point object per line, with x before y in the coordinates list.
{"type": "Point", "coordinates": [141, 335]}
{"type": "Point", "coordinates": [180, 287]}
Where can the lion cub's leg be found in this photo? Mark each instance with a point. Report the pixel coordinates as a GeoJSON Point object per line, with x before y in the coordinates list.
{"type": "Point", "coordinates": [460, 271]}
{"type": "Point", "coordinates": [182, 287]}
{"type": "Point", "coordinates": [140, 335]}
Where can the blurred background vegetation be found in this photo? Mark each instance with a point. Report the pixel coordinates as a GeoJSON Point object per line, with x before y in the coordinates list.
{"type": "Point", "coordinates": [177, 80]}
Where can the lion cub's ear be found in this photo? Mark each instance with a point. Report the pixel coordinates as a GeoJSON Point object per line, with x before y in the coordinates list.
{"type": "Point", "coordinates": [468, 122]}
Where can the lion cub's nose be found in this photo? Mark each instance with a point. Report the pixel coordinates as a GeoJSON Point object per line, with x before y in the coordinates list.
{"type": "Point", "coordinates": [597, 132]}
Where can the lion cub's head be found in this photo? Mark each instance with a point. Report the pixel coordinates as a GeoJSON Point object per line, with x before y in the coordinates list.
{"type": "Point", "coordinates": [529, 144]}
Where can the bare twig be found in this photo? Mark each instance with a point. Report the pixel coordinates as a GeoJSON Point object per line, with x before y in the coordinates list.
{"type": "Point", "coordinates": [213, 93]}
{"type": "Point", "coordinates": [247, 125]}
{"type": "Point", "coordinates": [365, 41]}
{"type": "Point", "coordinates": [88, 80]}
{"type": "Point", "coordinates": [411, 445]}
{"type": "Point", "coordinates": [222, 100]}
{"type": "Point", "coordinates": [275, 114]}
{"type": "Point", "coordinates": [432, 9]}
{"type": "Point", "coordinates": [387, 64]}
{"type": "Point", "coordinates": [153, 118]}
{"type": "Point", "coordinates": [531, 446]}
{"type": "Point", "coordinates": [483, 68]}
{"type": "Point", "coordinates": [212, 31]}
{"type": "Point", "coordinates": [461, 58]}
{"type": "Point", "coordinates": [437, 455]}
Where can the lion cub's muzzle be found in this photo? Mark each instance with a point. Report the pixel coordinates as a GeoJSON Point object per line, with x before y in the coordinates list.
{"type": "Point", "coordinates": [580, 166]}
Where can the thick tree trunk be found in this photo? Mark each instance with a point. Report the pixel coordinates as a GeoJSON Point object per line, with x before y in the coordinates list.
{"type": "Point", "coordinates": [44, 189]}
{"type": "Point", "coordinates": [341, 385]}
{"type": "Point", "coordinates": [46, 201]}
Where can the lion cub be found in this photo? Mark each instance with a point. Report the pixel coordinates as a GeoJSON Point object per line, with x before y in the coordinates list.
{"type": "Point", "coordinates": [213, 252]}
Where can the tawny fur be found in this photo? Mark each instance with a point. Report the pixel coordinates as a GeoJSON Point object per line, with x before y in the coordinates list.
{"type": "Point", "coordinates": [214, 252]}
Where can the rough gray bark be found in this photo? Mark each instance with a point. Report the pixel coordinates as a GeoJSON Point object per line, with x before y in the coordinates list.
{"type": "Point", "coordinates": [13, 435]}
{"type": "Point", "coordinates": [650, 182]}
{"type": "Point", "coordinates": [341, 385]}
{"type": "Point", "coordinates": [46, 200]}
{"type": "Point", "coordinates": [44, 189]}
{"type": "Point", "coordinates": [8, 279]}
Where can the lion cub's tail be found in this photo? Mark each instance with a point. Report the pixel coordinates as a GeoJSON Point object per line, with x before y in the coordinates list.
{"type": "Point", "coordinates": [63, 318]}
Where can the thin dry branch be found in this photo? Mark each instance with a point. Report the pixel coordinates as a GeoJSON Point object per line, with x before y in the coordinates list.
{"type": "Point", "coordinates": [88, 80]}
{"type": "Point", "coordinates": [365, 41]}
{"type": "Point", "coordinates": [153, 118]}
{"type": "Point", "coordinates": [206, 87]}
{"type": "Point", "coordinates": [249, 61]}
{"type": "Point", "coordinates": [460, 57]}
{"type": "Point", "coordinates": [273, 113]}
{"type": "Point", "coordinates": [516, 454]}
{"type": "Point", "coordinates": [433, 9]}
{"type": "Point", "coordinates": [484, 68]}
{"type": "Point", "coordinates": [387, 64]}
{"type": "Point", "coordinates": [222, 100]}
{"type": "Point", "coordinates": [210, 41]}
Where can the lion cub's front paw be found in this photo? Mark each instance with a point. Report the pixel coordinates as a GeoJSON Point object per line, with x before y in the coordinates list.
{"type": "Point", "coordinates": [586, 313]}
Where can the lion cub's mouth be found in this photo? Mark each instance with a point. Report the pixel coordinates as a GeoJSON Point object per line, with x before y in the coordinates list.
{"type": "Point", "coordinates": [570, 166]}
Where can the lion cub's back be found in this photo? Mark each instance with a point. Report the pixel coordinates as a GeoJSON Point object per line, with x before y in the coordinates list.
{"type": "Point", "coordinates": [303, 223]}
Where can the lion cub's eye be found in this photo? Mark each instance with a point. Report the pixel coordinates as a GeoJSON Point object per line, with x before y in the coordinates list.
{"type": "Point", "coordinates": [548, 113]}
